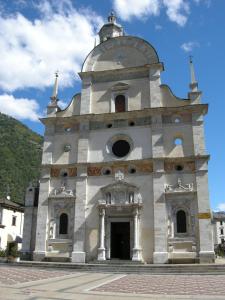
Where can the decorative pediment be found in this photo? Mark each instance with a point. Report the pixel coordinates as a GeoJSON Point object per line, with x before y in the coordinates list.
{"type": "Point", "coordinates": [120, 192]}
{"type": "Point", "coordinates": [179, 187]}
{"type": "Point", "coordinates": [120, 86]}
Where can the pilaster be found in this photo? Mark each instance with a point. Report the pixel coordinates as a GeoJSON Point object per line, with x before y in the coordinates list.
{"type": "Point", "coordinates": [206, 247]}
{"type": "Point", "coordinates": [198, 134]}
{"type": "Point", "coordinates": [78, 254]}
{"type": "Point", "coordinates": [48, 144]}
{"type": "Point", "coordinates": [42, 220]}
{"type": "Point", "coordinates": [160, 254]}
{"type": "Point", "coordinates": [85, 106]}
{"type": "Point", "coordinates": [155, 82]}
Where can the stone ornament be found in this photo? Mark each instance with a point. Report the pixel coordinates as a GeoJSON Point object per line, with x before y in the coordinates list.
{"type": "Point", "coordinates": [94, 171]}
{"type": "Point", "coordinates": [55, 172]}
{"type": "Point", "coordinates": [145, 168]}
{"type": "Point", "coordinates": [119, 175]}
{"type": "Point", "coordinates": [67, 148]}
{"type": "Point", "coordinates": [62, 192]}
{"type": "Point", "coordinates": [179, 187]}
{"type": "Point", "coordinates": [72, 172]}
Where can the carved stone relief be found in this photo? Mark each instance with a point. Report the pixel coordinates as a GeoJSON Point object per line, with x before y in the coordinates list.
{"type": "Point", "coordinates": [171, 166]}
{"type": "Point", "coordinates": [179, 187]}
{"type": "Point", "coordinates": [55, 172]}
{"type": "Point", "coordinates": [72, 172]}
{"type": "Point", "coordinates": [94, 171]}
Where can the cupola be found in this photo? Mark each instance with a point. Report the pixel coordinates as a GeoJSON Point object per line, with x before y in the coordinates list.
{"type": "Point", "coordinates": [110, 29]}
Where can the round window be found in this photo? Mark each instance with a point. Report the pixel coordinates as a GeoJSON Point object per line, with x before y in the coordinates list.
{"type": "Point", "coordinates": [121, 148]}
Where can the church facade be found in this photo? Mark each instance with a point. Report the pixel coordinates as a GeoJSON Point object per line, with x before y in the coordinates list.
{"type": "Point", "coordinates": [124, 166]}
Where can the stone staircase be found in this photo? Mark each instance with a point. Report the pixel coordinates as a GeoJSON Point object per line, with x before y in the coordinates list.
{"type": "Point", "coordinates": [131, 267]}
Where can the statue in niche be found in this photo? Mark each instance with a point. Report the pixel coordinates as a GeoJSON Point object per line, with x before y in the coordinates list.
{"type": "Point", "coordinates": [131, 197]}
{"type": "Point", "coordinates": [52, 229]}
{"type": "Point", "coordinates": [108, 198]}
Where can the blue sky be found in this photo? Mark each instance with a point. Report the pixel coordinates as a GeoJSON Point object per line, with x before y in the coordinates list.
{"type": "Point", "coordinates": [39, 37]}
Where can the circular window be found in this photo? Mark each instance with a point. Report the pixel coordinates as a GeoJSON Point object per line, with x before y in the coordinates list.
{"type": "Point", "coordinates": [121, 148]}
{"type": "Point", "coordinates": [68, 129]}
{"type": "Point", "coordinates": [132, 170]}
{"type": "Point", "coordinates": [131, 123]}
{"type": "Point", "coordinates": [178, 141]}
{"type": "Point", "coordinates": [106, 171]}
{"type": "Point", "coordinates": [177, 120]}
{"type": "Point", "coordinates": [179, 168]}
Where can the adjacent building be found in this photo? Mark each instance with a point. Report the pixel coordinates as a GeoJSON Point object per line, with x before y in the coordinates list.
{"type": "Point", "coordinates": [11, 223]}
{"type": "Point", "coordinates": [219, 227]}
{"type": "Point", "coordinates": [124, 166]}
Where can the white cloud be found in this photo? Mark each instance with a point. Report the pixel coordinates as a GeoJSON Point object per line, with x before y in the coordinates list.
{"type": "Point", "coordinates": [31, 51]}
{"type": "Point", "coordinates": [189, 46]}
{"type": "Point", "coordinates": [176, 10]}
{"type": "Point", "coordinates": [62, 104]}
{"type": "Point", "coordinates": [127, 9]}
{"type": "Point", "coordinates": [158, 27]}
{"type": "Point", "coordinates": [221, 207]}
{"type": "Point", "coordinates": [19, 108]}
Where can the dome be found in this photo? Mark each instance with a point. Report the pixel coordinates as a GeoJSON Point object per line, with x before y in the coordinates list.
{"type": "Point", "coordinates": [120, 52]}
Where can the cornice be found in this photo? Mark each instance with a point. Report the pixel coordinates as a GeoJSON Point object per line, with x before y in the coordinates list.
{"type": "Point", "coordinates": [201, 108]}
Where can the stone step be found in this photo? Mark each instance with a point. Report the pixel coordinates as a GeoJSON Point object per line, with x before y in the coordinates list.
{"type": "Point", "coordinates": [130, 268]}
{"type": "Point", "coordinates": [56, 259]}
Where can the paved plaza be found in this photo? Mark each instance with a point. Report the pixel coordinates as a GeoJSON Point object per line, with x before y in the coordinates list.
{"type": "Point", "coordinates": [55, 284]}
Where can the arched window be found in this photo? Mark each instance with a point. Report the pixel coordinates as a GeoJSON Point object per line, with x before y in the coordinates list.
{"type": "Point", "coordinates": [63, 224]}
{"type": "Point", "coordinates": [120, 103]}
{"type": "Point", "coordinates": [181, 222]}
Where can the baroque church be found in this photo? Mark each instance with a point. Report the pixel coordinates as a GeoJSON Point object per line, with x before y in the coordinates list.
{"type": "Point", "coordinates": [124, 166]}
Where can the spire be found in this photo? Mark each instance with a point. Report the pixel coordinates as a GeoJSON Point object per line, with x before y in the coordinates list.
{"type": "Point", "coordinates": [194, 84]}
{"type": "Point", "coordinates": [54, 97]}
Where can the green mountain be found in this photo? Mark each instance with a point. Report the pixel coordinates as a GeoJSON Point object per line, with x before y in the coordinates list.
{"type": "Point", "coordinates": [20, 157]}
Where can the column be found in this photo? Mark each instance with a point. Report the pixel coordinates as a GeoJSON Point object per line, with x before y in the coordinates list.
{"type": "Point", "coordinates": [101, 249]}
{"type": "Point", "coordinates": [137, 249]}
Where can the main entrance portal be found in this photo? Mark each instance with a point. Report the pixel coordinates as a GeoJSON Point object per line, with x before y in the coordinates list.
{"type": "Point", "coordinates": [120, 240]}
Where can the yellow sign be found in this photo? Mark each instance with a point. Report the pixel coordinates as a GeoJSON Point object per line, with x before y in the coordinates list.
{"type": "Point", "coordinates": [204, 215]}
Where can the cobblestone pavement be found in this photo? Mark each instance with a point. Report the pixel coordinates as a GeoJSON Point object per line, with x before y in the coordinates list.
{"type": "Point", "coordinates": [12, 275]}
{"type": "Point", "coordinates": [29, 283]}
{"type": "Point", "coordinates": [167, 284]}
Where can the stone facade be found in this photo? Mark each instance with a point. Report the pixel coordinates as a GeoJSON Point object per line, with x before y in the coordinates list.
{"type": "Point", "coordinates": [124, 166]}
